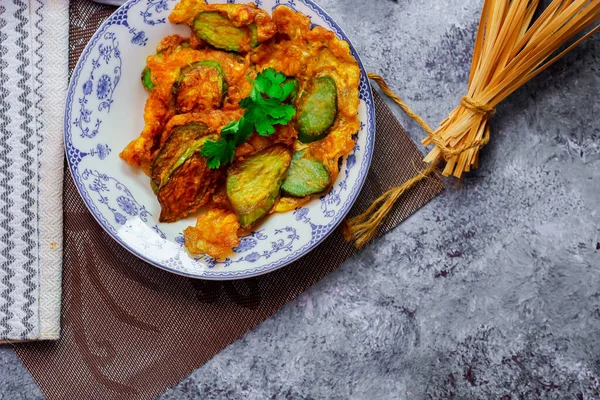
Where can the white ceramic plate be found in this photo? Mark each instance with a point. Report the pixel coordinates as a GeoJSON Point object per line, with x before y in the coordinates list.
{"type": "Point", "coordinates": [104, 112]}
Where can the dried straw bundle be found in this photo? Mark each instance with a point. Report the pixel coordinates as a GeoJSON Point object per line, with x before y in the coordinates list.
{"type": "Point", "coordinates": [509, 51]}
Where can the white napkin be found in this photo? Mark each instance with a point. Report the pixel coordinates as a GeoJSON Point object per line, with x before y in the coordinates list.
{"type": "Point", "coordinates": [33, 82]}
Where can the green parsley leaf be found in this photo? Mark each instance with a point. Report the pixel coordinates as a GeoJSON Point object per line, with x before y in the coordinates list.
{"type": "Point", "coordinates": [288, 88]}
{"type": "Point", "coordinates": [218, 153]}
{"type": "Point", "coordinates": [264, 109]}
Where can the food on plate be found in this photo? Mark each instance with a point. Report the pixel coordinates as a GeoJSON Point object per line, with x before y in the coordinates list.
{"type": "Point", "coordinates": [181, 139]}
{"type": "Point", "coordinates": [248, 116]}
{"type": "Point", "coordinates": [147, 79]}
{"type": "Point", "coordinates": [200, 86]}
{"type": "Point", "coordinates": [253, 183]}
{"type": "Point", "coordinates": [179, 175]}
{"type": "Point", "coordinates": [305, 177]}
{"type": "Point", "coordinates": [215, 233]}
{"type": "Point", "coordinates": [317, 109]}
{"type": "Point", "coordinates": [220, 32]}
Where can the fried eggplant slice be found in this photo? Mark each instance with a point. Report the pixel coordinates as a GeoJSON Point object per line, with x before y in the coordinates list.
{"type": "Point", "coordinates": [253, 183]}
{"type": "Point", "coordinates": [180, 140]}
{"type": "Point", "coordinates": [187, 189]}
{"type": "Point", "coordinates": [218, 31]}
{"type": "Point", "coordinates": [215, 233]}
{"type": "Point", "coordinates": [147, 73]}
{"type": "Point", "coordinates": [317, 109]}
{"type": "Point", "coordinates": [305, 177]}
{"type": "Point", "coordinates": [201, 86]}
{"type": "Point", "coordinates": [195, 147]}
{"type": "Point", "coordinates": [147, 79]}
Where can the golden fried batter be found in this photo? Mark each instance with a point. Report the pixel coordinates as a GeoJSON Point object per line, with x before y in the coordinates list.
{"type": "Point", "coordinates": [200, 90]}
{"type": "Point", "coordinates": [215, 233]}
{"type": "Point", "coordinates": [284, 42]}
{"type": "Point", "coordinates": [240, 14]}
{"type": "Point", "coordinates": [160, 108]}
{"type": "Point", "coordinates": [304, 54]}
{"type": "Point", "coordinates": [188, 189]}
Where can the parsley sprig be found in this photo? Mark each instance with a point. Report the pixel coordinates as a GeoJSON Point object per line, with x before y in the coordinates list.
{"type": "Point", "coordinates": [265, 108]}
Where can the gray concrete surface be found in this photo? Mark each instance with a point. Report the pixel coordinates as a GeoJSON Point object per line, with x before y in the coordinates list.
{"type": "Point", "coordinates": [492, 291]}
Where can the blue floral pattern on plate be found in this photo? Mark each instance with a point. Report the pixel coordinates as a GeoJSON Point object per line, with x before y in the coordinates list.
{"type": "Point", "coordinates": [103, 114]}
{"type": "Point", "coordinates": [108, 58]}
{"type": "Point", "coordinates": [154, 8]}
{"type": "Point", "coordinates": [114, 196]}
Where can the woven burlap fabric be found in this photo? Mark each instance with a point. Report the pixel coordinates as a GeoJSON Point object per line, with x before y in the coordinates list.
{"type": "Point", "coordinates": [130, 330]}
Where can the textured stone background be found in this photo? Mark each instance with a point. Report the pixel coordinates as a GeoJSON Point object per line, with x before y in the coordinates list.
{"type": "Point", "coordinates": [490, 291]}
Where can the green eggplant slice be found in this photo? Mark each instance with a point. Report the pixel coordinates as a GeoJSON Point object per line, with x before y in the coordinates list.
{"type": "Point", "coordinates": [253, 183]}
{"type": "Point", "coordinates": [147, 73]}
{"type": "Point", "coordinates": [305, 177]}
{"type": "Point", "coordinates": [147, 79]}
{"type": "Point", "coordinates": [201, 86]}
{"type": "Point", "coordinates": [186, 190]}
{"type": "Point", "coordinates": [218, 31]}
{"type": "Point", "coordinates": [179, 141]}
{"type": "Point", "coordinates": [317, 110]}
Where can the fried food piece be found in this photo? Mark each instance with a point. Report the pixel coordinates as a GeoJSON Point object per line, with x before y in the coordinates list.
{"type": "Point", "coordinates": [180, 177]}
{"type": "Point", "coordinates": [317, 109]}
{"type": "Point", "coordinates": [168, 44]}
{"type": "Point", "coordinates": [305, 177]}
{"type": "Point", "coordinates": [231, 16]}
{"type": "Point", "coordinates": [201, 86]}
{"type": "Point", "coordinates": [215, 119]}
{"type": "Point", "coordinates": [180, 140]}
{"type": "Point", "coordinates": [159, 109]}
{"type": "Point", "coordinates": [253, 183]}
{"type": "Point", "coordinates": [215, 234]}
{"type": "Point", "coordinates": [218, 31]}
{"type": "Point", "coordinates": [172, 43]}
{"type": "Point", "coordinates": [331, 56]}
{"type": "Point", "coordinates": [188, 189]}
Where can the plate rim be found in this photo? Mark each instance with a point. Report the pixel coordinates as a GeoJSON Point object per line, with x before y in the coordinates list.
{"type": "Point", "coordinates": [214, 276]}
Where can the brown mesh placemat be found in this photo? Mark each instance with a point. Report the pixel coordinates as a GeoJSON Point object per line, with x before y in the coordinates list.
{"type": "Point", "coordinates": [130, 330]}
